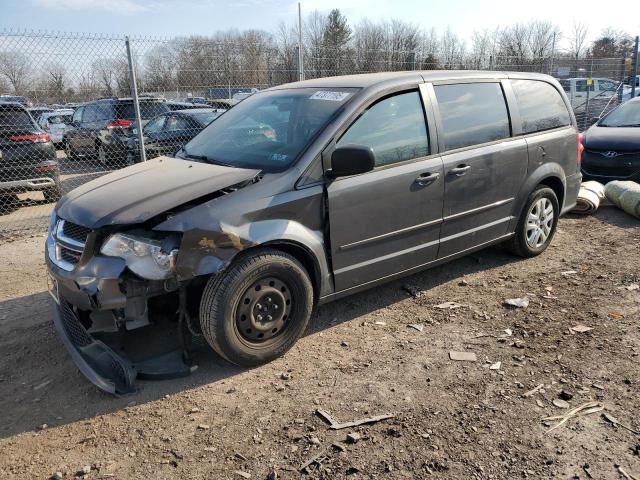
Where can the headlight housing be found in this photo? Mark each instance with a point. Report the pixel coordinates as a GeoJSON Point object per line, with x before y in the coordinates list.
{"type": "Point", "coordinates": [151, 258]}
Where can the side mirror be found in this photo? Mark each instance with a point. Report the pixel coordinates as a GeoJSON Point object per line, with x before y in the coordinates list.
{"type": "Point", "coordinates": [351, 160]}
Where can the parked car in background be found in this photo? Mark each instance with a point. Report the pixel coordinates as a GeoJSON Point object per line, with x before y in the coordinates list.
{"type": "Point", "coordinates": [169, 132]}
{"type": "Point", "coordinates": [56, 123]}
{"type": "Point", "coordinates": [221, 103]}
{"type": "Point", "coordinates": [36, 112]}
{"type": "Point", "coordinates": [630, 82]}
{"type": "Point", "coordinates": [173, 105]}
{"type": "Point", "coordinates": [299, 195]}
{"type": "Point", "coordinates": [196, 100]}
{"type": "Point", "coordinates": [14, 99]}
{"type": "Point", "coordinates": [98, 126]}
{"type": "Point", "coordinates": [238, 97]}
{"type": "Point", "coordinates": [27, 155]}
{"type": "Point", "coordinates": [601, 91]}
{"type": "Point", "coordinates": [612, 145]}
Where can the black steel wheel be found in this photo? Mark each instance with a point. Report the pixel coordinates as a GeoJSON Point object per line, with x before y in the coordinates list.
{"type": "Point", "coordinates": [256, 310]}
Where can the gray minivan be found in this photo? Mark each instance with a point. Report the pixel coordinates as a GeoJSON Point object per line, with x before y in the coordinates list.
{"type": "Point", "coordinates": [299, 195]}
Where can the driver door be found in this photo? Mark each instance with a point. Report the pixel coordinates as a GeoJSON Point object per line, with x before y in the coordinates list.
{"type": "Point", "coordinates": [387, 220]}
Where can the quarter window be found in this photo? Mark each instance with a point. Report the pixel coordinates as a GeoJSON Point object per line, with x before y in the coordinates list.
{"type": "Point", "coordinates": [472, 114]}
{"type": "Point", "coordinates": [541, 106]}
{"type": "Point", "coordinates": [394, 128]}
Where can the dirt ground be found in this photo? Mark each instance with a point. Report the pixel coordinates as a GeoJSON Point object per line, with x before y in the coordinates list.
{"type": "Point", "coordinates": [361, 358]}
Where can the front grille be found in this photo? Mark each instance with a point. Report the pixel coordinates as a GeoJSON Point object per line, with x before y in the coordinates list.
{"type": "Point", "coordinates": [76, 332]}
{"type": "Point", "coordinates": [76, 232]}
{"type": "Point", "coordinates": [69, 255]}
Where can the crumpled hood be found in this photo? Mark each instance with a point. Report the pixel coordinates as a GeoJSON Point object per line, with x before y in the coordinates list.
{"type": "Point", "coordinates": [619, 139]}
{"type": "Point", "coordinates": [140, 192]}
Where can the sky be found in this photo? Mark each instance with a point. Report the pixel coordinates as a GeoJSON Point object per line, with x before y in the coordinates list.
{"type": "Point", "coordinates": [168, 18]}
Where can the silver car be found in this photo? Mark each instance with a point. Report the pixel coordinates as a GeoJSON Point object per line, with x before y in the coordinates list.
{"type": "Point", "coordinates": [56, 123]}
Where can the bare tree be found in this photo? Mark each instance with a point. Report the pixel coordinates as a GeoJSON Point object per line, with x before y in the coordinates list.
{"type": "Point", "coordinates": [313, 33]}
{"type": "Point", "coordinates": [578, 37]}
{"type": "Point", "coordinates": [56, 76]}
{"type": "Point", "coordinates": [16, 68]}
{"type": "Point", "coordinates": [452, 49]}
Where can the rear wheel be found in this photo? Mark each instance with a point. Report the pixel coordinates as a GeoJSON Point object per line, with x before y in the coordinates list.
{"type": "Point", "coordinates": [257, 309]}
{"type": "Point", "coordinates": [537, 223]}
{"type": "Point", "coordinates": [68, 150]}
{"type": "Point", "coordinates": [52, 194]}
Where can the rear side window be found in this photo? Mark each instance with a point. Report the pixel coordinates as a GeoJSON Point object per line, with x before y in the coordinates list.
{"type": "Point", "coordinates": [394, 128]}
{"type": "Point", "coordinates": [541, 106]}
{"type": "Point", "coordinates": [472, 113]}
{"type": "Point", "coordinates": [148, 110]}
{"type": "Point", "coordinates": [11, 117]}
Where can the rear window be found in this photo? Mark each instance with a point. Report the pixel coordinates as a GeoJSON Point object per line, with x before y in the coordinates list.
{"type": "Point", "coordinates": [541, 106]}
{"type": "Point", "coordinates": [205, 118]}
{"type": "Point", "coordinates": [15, 118]}
{"type": "Point", "coordinates": [148, 110]}
{"type": "Point", "coordinates": [472, 113]}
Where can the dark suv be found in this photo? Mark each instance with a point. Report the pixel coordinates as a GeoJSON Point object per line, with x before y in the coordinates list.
{"type": "Point", "coordinates": [27, 155]}
{"type": "Point", "coordinates": [299, 195]}
{"type": "Point", "coordinates": [98, 128]}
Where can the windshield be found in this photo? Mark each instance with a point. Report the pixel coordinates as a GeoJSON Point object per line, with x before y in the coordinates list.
{"type": "Point", "coordinates": [626, 115]}
{"type": "Point", "coordinates": [268, 130]}
{"type": "Point", "coordinates": [60, 119]}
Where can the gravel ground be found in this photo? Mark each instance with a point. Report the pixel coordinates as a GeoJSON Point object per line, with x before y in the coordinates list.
{"type": "Point", "coordinates": [360, 358]}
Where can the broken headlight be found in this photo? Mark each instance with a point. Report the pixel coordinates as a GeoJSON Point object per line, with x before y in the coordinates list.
{"type": "Point", "coordinates": [151, 258]}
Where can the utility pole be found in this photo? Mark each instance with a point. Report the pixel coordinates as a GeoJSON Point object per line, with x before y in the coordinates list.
{"type": "Point", "coordinates": [635, 69]}
{"type": "Point", "coordinates": [300, 52]}
{"type": "Point", "coordinates": [553, 52]}
{"type": "Point", "coordinates": [136, 103]}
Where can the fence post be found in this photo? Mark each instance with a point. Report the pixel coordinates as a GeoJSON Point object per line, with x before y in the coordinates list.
{"type": "Point", "coordinates": [553, 52]}
{"type": "Point", "coordinates": [634, 71]}
{"type": "Point", "coordinates": [136, 103]}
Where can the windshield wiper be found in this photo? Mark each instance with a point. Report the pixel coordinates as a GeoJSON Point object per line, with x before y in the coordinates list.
{"type": "Point", "coordinates": [204, 158]}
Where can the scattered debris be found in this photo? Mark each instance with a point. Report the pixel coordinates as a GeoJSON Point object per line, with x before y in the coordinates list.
{"type": "Point", "coordinates": [231, 390]}
{"type": "Point", "coordinates": [533, 391]}
{"type": "Point", "coordinates": [462, 356]}
{"type": "Point", "coordinates": [580, 328]}
{"type": "Point", "coordinates": [411, 290]}
{"type": "Point", "coordinates": [495, 366]}
{"type": "Point", "coordinates": [508, 332]}
{"type": "Point", "coordinates": [614, 421]}
{"type": "Point", "coordinates": [463, 283]}
{"type": "Point", "coordinates": [242, 474]}
{"type": "Point", "coordinates": [625, 474]}
{"type": "Point", "coordinates": [517, 302]}
{"type": "Point", "coordinates": [202, 426]}
{"type": "Point", "coordinates": [194, 410]}
{"type": "Point", "coordinates": [382, 324]}
{"type": "Point", "coordinates": [449, 305]}
{"type": "Point", "coordinates": [615, 315]}
{"type": "Point", "coordinates": [336, 425]}
{"type": "Point", "coordinates": [417, 326]}
{"type": "Point", "coordinates": [565, 395]}
{"type": "Point", "coordinates": [558, 402]}
{"type": "Point", "coordinates": [632, 287]}
{"type": "Point", "coordinates": [42, 385]}
{"type": "Point", "coordinates": [597, 386]}
{"type": "Point", "coordinates": [285, 376]}
{"type": "Point", "coordinates": [315, 459]}
{"type": "Point", "coordinates": [568, 272]}
{"type": "Point", "coordinates": [353, 437]}
{"type": "Point", "coordinates": [584, 409]}
{"type": "Point", "coordinates": [344, 344]}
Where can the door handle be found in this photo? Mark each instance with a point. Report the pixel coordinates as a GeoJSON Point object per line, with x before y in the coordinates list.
{"type": "Point", "coordinates": [427, 178]}
{"type": "Point", "coordinates": [460, 170]}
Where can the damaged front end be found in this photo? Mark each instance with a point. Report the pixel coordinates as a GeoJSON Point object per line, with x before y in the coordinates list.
{"type": "Point", "coordinates": [107, 287]}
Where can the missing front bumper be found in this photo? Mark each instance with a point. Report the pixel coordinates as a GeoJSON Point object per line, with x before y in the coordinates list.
{"type": "Point", "coordinates": [110, 371]}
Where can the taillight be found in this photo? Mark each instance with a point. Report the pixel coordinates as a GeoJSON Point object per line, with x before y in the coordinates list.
{"type": "Point", "coordinates": [35, 138]}
{"type": "Point", "coordinates": [45, 168]}
{"type": "Point", "coordinates": [580, 149]}
{"type": "Point", "coordinates": [119, 123]}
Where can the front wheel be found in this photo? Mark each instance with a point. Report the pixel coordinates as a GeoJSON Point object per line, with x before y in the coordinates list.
{"type": "Point", "coordinates": [256, 310]}
{"type": "Point", "coordinates": [537, 223]}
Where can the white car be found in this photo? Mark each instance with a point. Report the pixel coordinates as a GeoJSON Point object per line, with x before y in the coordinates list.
{"type": "Point", "coordinates": [56, 123]}
{"type": "Point", "coordinates": [601, 90]}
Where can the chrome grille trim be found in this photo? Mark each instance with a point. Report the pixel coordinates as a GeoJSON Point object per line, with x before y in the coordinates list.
{"type": "Point", "coordinates": [58, 241]}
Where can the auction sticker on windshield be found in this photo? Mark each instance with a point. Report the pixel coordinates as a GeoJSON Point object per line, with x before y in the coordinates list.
{"type": "Point", "coordinates": [332, 96]}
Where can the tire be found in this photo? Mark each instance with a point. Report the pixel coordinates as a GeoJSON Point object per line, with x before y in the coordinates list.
{"type": "Point", "coordinates": [68, 151]}
{"type": "Point", "coordinates": [533, 235]}
{"type": "Point", "coordinates": [266, 283]}
{"type": "Point", "coordinates": [52, 194]}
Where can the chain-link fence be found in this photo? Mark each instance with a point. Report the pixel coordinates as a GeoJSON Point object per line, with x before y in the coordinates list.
{"type": "Point", "coordinates": [74, 107]}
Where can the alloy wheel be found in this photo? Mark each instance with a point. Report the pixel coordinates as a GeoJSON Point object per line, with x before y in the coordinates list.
{"type": "Point", "coordinates": [539, 222]}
